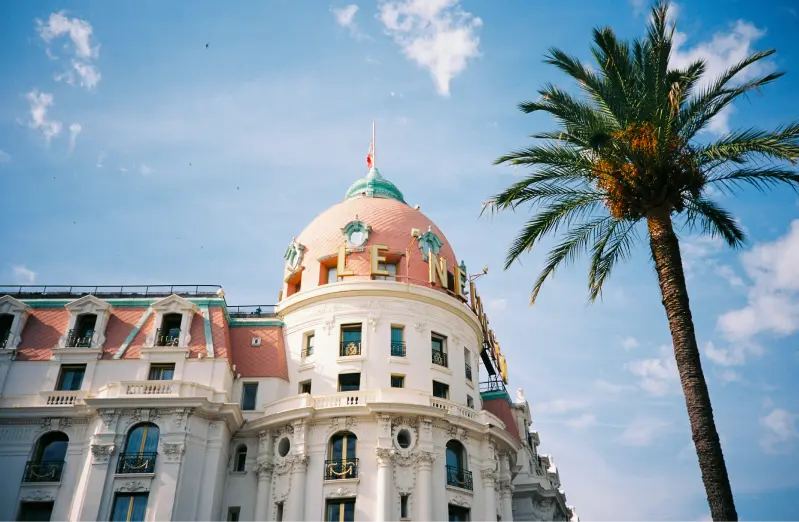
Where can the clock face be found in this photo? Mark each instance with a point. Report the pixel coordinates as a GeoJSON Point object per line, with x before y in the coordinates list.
{"type": "Point", "coordinates": [357, 238]}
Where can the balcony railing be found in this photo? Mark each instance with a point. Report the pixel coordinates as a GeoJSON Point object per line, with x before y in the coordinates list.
{"type": "Point", "coordinates": [468, 372]}
{"type": "Point", "coordinates": [45, 471]}
{"type": "Point", "coordinates": [341, 469]}
{"type": "Point", "coordinates": [79, 338]}
{"type": "Point", "coordinates": [132, 291]}
{"type": "Point", "coordinates": [398, 348]}
{"type": "Point", "coordinates": [251, 311]}
{"type": "Point", "coordinates": [136, 463]}
{"type": "Point", "coordinates": [440, 358]}
{"type": "Point", "coordinates": [306, 352]}
{"type": "Point", "coordinates": [460, 478]}
{"type": "Point", "coordinates": [350, 348]}
{"type": "Point", "coordinates": [167, 336]}
{"type": "Point", "coordinates": [4, 338]}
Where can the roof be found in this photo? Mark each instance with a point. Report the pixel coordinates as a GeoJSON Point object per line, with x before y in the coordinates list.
{"type": "Point", "coordinates": [374, 185]}
{"type": "Point", "coordinates": [501, 408]}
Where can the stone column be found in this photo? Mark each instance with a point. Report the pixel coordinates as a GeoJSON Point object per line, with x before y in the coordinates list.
{"type": "Point", "coordinates": [384, 487]}
{"type": "Point", "coordinates": [425, 489]}
{"type": "Point", "coordinates": [263, 472]}
{"type": "Point", "coordinates": [91, 484]}
{"type": "Point", "coordinates": [506, 499]}
{"type": "Point", "coordinates": [489, 479]}
{"type": "Point", "coordinates": [297, 492]}
{"type": "Point", "coordinates": [168, 469]}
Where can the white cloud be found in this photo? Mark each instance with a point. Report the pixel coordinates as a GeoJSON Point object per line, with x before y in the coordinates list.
{"type": "Point", "coordinates": [731, 376]}
{"type": "Point", "coordinates": [728, 273]}
{"type": "Point", "coordinates": [23, 275]}
{"type": "Point", "coordinates": [643, 431]}
{"type": "Point", "coordinates": [145, 170]}
{"type": "Point", "coordinates": [560, 406]}
{"type": "Point", "coordinates": [83, 69]}
{"type": "Point", "coordinates": [5, 157]}
{"type": "Point", "coordinates": [123, 169]}
{"type": "Point", "coordinates": [583, 421]}
{"type": "Point", "coordinates": [773, 300]}
{"type": "Point", "coordinates": [74, 130]}
{"type": "Point", "coordinates": [345, 17]}
{"type": "Point", "coordinates": [721, 52]}
{"type": "Point", "coordinates": [656, 376]}
{"type": "Point", "coordinates": [40, 102]}
{"type": "Point", "coordinates": [629, 343]}
{"type": "Point", "coordinates": [609, 387]}
{"type": "Point", "coordinates": [101, 158]}
{"type": "Point", "coordinates": [435, 34]}
{"type": "Point", "coordinates": [497, 304]}
{"type": "Point", "coordinates": [638, 6]}
{"type": "Point", "coordinates": [735, 355]}
{"type": "Point", "coordinates": [780, 429]}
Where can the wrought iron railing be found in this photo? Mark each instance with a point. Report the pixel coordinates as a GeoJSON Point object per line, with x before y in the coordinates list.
{"type": "Point", "coordinates": [4, 338]}
{"type": "Point", "coordinates": [79, 338]}
{"type": "Point", "coordinates": [494, 383]}
{"type": "Point", "coordinates": [398, 348]}
{"type": "Point", "coordinates": [306, 352]}
{"type": "Point", "coordinates": [45, 471]}
{"type": "Point", "coordinates": [440, 358]}
{"type": "Point", "coordinates": [56, 291]}
{"type": "Point", "coordinates": [341, 469]}
{"type": "Point", "coordinates": [167, 336]}
{"type": "Point", "coordinates": [136, 463]}
{"type": "Point", "coordinates": [350, 348]}
{"type": "Point", "coordinates": [251, 311]}
{"type": "Point", "coordinates": [468, 372]}
{"type": "Point", "coordinates": [460, 478]}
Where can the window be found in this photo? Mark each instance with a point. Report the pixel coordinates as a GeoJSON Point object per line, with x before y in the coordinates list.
{"type": "Point", "coordinates": [397, 381]}
{"type": "Point", "coordinates": [240, 458]}
{"type": "Point", "coordinates": [71, 377]}
{"type": "Point", "coordinates": [35, 511]}
{"type": "Point", "coordinates": [439, 347]}
{"type": "Point", "coordinates": [169, 333]}
{"type": "Point", "coordinates": [83, 332]}
{"type": "Point", "coordinates": [391, 268]}
{"type": "Point", "coordinates": [294, 283]}
{"type": "Point", "coordinates": [309, 342]}
{"type": "Point", "coordinates": [350, 340]}
{"type": "Point", "coordinates": [48, 458]}
{"type": "Point", "coordinates": [470, 401]}
{"type": "Point", "coordinates": [440, 390]}
{"type": "Point", "coordinates": [404, 506]}
{"type": "Point", "coordinates": [349, 382]}
{"type": "Point", "coordinates": [141, 446]}
{"type": "Point", "coordinates": [341, 510]}
{"type": "Point", "coordinates": [305, 387]}
{"type": "Point", "coordinates": [162, 372]}
{"type": "Point", "coordinates": [233, 513]}
{"type": "Point", "coordinates": [332, 275]}
{"type": "Point", "coordinates": [467, 357]}
{"type": "Point", "coordinates": [458, 474]}
{"type": "Point", "coordinates": [129, 507]}
{"type": "Point", "coordinates": [279, 512]}
{"type": "Point", "coordinates": [458, 513]}
{"type": "Point", "coordinates": [6, 320]}
{"type": "Point", "coordinates": [249, 394]}
{"type": "Point", "coordinates": [397, 341]}
{"type": "Point", "coordinates": [342, 457]}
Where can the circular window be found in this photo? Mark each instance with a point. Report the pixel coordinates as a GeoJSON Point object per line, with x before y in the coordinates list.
{"type": "Point", "coordinates": [404, 438]}
{"type": "Point", "coordinates": [283, 447]}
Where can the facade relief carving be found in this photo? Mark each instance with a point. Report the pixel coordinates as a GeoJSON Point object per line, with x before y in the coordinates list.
{"type": "Point", "coordinates": [101, 453]}
{"type": "Point", "coordinates": [39, 495]}
{"type": "Point", "coordinates": [263, 470]}
{"type": "Point", "coordinates": [340, 493]}
{"type": "Point", "coordinates": [173, 452]}
{"type": "Point", "coordinates": [132, 486]}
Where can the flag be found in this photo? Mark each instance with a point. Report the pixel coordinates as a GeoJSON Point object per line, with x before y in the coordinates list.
{"type": "Point", "coordinates": [370, 157]}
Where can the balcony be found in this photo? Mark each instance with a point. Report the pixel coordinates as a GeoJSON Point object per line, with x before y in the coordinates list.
{"type": "Point", "coordinates": [398, 348]}
{"type": "Point", "coordinates": [156, 389]}
{"type": "Point", "coordinates": [440, 358]}
{"type": "Point", "coordinates": [79, 338]}
{"type": "Point", "coordinates": [167, 336]}
{"type": "Point", "coordinates": [341, 469]}
{"type": "Point", "coordinates": [468, 372]}
{"type": "Point", "coordinates": [136, 463]}
{"type": "Point", "coordinates": [460, 478]}
{"type": "Point", "coordinates": [306, 352]}
{"type": "Point", "coordinates": [251, 311]}
{"type": "Point", "coordinates": [349, 348]}
{"type": "Point", "coordinates": [45, 471]}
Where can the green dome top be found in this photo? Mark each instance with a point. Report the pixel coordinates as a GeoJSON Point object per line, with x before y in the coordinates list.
{"type": "Point", "coordinates": [374, 186]}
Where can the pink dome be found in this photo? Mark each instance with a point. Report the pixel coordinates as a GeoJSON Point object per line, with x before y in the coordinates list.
{"type": "Point", "coordinates": [391, 222]}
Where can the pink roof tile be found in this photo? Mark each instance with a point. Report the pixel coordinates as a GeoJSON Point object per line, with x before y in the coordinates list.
{"type": "Point", "coordinates": [267, 360]}
{"type": "Point", "coordinates": [197, 332]}
{"type": "Point", "coordinates": [219, 332]}
{"type": "Point", "coordinates": [134, 350]}
{"type": "Point", "coordinates": [41, 333]}
{"type": "Point", "coordinates": [120, 324]}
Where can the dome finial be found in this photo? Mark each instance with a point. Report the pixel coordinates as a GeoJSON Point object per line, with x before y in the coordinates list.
{"type": "Point", "coordinates": [374, 185]}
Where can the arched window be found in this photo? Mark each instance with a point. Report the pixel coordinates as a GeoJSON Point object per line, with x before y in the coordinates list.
{"type": "Point", "coordinates": [82, 333]}
{"type": "Point", "coordinates": [342, 457]}
{"type": "Point", "coordinates": [48, 457]}
{"type": "Point", "coordinates": [240, 458]}
{"type": "Point", "coordinates": [141, 446]}
{"type": "Point", "coordinates": [458, 474]}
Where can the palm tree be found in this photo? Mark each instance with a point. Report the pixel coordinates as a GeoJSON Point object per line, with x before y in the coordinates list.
{"type": "Point", "coordinates": [626, 154]}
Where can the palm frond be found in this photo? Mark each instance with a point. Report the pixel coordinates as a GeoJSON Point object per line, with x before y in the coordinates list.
{"type": "Point", "coordinates": [615, 245]}
{"type": "Point", "coordinates": [709, 218]}
{"type": "Point", "coordinates": [739, 146]}
{"type": "Point", "coordinates": [759, 178]}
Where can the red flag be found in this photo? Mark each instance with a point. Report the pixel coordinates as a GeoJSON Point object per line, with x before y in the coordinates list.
{"type": "Point", "coordinates": [370, 157]}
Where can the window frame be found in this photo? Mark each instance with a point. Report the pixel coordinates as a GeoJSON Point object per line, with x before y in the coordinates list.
{"type": "Point", "coordinates": [340, 502]}
{"type": "Point", "coordinates": [338, 383]}
{"type": "Point", "coordinates": [306, 383]}
{"type": "Point", "coordinates": [59, 386]}
{"type": "Point", "coordinates": [445, 388]}
{"type": "Point", "coordinates": [161, 367]}
{"type": "Point", "coordinates": [240, 459]}
{"type": "Point", "coordinates": [249, 386]}
{"type": "Point", "coordinates": [401, 378]}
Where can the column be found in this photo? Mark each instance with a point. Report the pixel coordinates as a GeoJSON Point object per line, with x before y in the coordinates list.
{"type": "Point", "coordinates": [92, 482]}
{"type": "Point", "coordinates": [489, 479]}
{"type": "Point", "coordinates": [506, 500]}
{"type": "Point", "coordinates": [167, 466]}
{"type": "Point", "coordinates": [263, 471]}
{"type": "Point", "coordinates": [297, 493]}
{"type": "Point", "coordinates": [425, 487]}
{"type": "Point", "coordinates": [384, 476]}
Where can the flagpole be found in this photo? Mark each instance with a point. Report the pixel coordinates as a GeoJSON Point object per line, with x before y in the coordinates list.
{"type": "Point", "coordinates": [374, 155]}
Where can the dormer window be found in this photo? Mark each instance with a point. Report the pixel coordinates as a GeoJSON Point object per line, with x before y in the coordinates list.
{"type": "Point", "coordinates": [173, 316]}
{"type": "Point", "coordinates": [13, 314]}
{"type": "Point", "coordinates": [88, 318]}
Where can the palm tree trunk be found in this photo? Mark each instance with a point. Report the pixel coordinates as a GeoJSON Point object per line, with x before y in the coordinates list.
{"type": "Point", "coordinates": [668, 263]}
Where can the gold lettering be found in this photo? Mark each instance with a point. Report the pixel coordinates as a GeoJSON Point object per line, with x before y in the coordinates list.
{"type": "Point", "coordinates": [438, 270]}
{"type": "Point", "coordinates": [341, 268]}
{"type": "Point", "coordinates": [473, 296]}
{"type": "Point", "coordinates": [376, 259]}
{"type": "Point", "coordinates": [458, 285]}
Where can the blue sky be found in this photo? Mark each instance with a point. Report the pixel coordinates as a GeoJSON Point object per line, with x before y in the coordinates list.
{"type": "Point", "coordinates": [132, 154]}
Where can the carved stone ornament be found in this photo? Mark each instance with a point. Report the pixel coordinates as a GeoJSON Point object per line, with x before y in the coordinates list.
{"type": "Point", "coordinates": [293, 255]}
{"type": "Point", "coordinates": [101, 453]}
{"type": "Point", "coordinates": [420, 327]}
{"type": "Point", "coordinates": [339, 493]}
{"type": "Point", "coordinates": [108, 417]}
{"type": "Point", "coordinates": [429, 242]}
{"type": "Point", "coordinates": [64, 424]}
{"type": "Point", "coordinates": [504, 485]}
{"type": "Point", "coordinates": [173, 452]}
{"type": "Point", "coordinates": [426, 457]}
{"type": "Point", "coordinates": [384, 456]}
{"type": "Point", "coordinates": [46, 424]}
{"type": "Point", "coordinates": [300, 463]}
{"type": "Point", "coordinates": [356, 233]}
{"type": "Point", "coordinates": [133, 486]}
{"type": "Point", "coordinates": [460, 501]}
{"type": "Point", "coordinates": [263, 470]}
{"type": "Point", "coordinates": [374, 320]}
{"type": "Point", "coordinates": [520, 395]}
{"type": "Point", "coordinates": [39, 495]}
{"type": "Point", "coordinates": [329, 325]}
{"type": "Point", "coordinates": [488, 474]}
